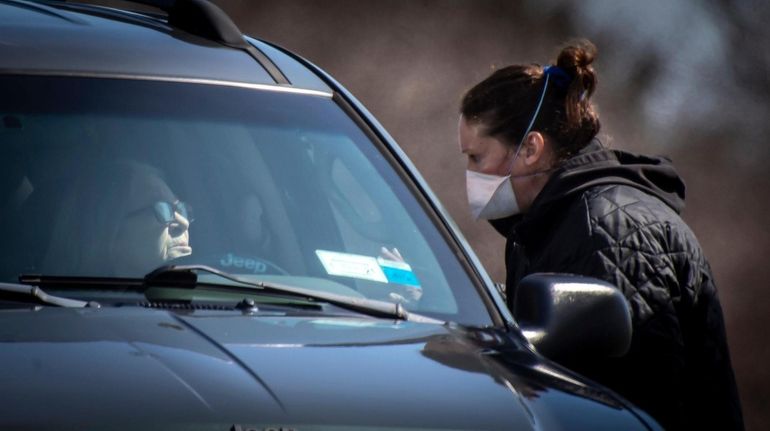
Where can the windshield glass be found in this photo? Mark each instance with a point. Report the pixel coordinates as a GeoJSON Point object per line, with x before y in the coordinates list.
{"type": "Point", "coordinates": [113, 178]}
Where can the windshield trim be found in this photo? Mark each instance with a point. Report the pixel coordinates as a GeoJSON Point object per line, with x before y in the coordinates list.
{"type": "Point", "coordinates": [177, 79]}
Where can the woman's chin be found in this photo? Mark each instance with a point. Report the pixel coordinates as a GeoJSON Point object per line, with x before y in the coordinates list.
{"type": "Point", "coordinates": [178, 251]}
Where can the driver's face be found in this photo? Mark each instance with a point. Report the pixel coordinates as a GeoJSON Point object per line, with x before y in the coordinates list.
{"type": "Point", "coordinates": [174, 241]}
{"type": "Point", "coordinates": [143, 242]}
{"type": "Point", "coordinates": [146, 239]}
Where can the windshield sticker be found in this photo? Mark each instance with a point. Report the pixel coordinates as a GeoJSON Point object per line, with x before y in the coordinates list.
{"type": "Point", "coordinates": [367, 268]}
{"type": "Point", "coordinates": [351, 265]}
{"type": "Point", "coordinates": [398, 272]}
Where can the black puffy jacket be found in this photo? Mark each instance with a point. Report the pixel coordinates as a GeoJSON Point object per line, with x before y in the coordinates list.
{"type": "Point", "coordinates": [615, 216]}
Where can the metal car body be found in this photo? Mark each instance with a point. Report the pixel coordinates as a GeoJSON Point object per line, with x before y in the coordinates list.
{"type": "Point", "coordinates": [301, 339]}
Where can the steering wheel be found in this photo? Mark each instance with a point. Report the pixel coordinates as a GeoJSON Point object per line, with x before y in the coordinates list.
{"type": "Point", "coordinates": [232, 263]}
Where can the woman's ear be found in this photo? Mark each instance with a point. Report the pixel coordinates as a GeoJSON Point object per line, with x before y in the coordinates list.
{"type": "Point", "coordinates": [534, 150]}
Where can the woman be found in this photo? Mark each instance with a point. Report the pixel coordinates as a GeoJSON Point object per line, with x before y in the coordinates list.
{"type": "Point", "coordinates": [566, 204]}
{"type": "Point", "coordinates": [117, 219]}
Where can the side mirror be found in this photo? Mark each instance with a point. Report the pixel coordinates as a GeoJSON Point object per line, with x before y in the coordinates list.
{"type": "Point", "coordinates": [569, 317]}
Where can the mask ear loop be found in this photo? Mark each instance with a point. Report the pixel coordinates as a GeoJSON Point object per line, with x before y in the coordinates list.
{"type": "Point", "coordinates": [531, 123]}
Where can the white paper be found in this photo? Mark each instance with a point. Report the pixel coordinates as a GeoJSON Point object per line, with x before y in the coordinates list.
{"type": "Point", "coordinates": [351, 265]}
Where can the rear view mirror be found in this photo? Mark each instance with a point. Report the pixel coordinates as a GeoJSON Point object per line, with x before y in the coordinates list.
{"type": "Point", "coordinates": [569, 317]}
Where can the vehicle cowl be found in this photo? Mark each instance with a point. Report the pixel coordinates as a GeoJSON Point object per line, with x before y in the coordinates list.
{"type": "Point", "coordinates": [132, 367]}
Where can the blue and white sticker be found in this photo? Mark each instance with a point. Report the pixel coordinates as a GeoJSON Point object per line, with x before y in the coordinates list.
{"type": "Point", "coordinates": [398, 272]}
{"type": "Point", "coordinates": [367, 268]}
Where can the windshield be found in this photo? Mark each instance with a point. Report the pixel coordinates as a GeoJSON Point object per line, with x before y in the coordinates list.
{"type": "Point", "coordinates": [113, 178]}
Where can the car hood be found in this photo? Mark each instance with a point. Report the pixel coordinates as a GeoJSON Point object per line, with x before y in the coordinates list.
{"type": "Point", "coordinates": [133, 367]}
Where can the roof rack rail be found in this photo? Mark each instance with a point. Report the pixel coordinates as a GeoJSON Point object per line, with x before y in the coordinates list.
{"type": "Point", "coordinates": [205, 19]}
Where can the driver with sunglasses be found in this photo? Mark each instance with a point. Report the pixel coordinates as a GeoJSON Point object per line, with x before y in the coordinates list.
{"type": "Point", "coordinates": [156, 228]}
{"type": "Point", "coordinates": [119, 219]}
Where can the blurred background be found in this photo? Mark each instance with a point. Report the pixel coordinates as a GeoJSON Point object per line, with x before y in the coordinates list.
{"type": "Point", "coordinates": [687, 78]}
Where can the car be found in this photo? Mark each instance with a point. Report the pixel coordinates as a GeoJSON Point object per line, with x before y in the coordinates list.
{"type": "Point", "coordinates": [203, 230]}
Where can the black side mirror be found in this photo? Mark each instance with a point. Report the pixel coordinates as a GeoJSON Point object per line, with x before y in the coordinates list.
{"type": "Point", "coordinates": [569, 317]}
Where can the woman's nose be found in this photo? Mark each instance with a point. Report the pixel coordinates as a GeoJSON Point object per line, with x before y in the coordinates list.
{"type": "Point", "coordinates": [179, 226]}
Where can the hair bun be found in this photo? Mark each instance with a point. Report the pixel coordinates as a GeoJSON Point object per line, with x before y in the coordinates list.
{"type": "Point", "coordinates": [576, 58]}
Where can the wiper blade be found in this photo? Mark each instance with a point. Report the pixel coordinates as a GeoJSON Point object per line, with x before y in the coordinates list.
{"type": "Point", "coordinates": [185, 276]}
{"type": "Point", "coordinates": [76, 280]}
{"type": "Point", "coordinates": [42, 296]}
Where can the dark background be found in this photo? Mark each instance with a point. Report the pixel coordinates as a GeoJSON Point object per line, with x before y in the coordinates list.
{"type": "Point", "coordinates": [685, 78]}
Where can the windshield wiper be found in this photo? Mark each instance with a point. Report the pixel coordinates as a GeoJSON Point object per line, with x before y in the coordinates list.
{"type": "Point", "coordinates": [185, 276]}
{"type": "Point", "coordinates": [39, 294]}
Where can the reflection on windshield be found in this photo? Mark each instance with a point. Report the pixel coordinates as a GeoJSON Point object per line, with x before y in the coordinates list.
{"type": "Point", "coordinates": [115, 178]}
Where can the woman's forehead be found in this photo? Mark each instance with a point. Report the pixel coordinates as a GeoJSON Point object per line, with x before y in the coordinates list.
{"type": "Point", "coordinates": [469, 133]}
{"type": "Point", "coordinates": [474, 137]}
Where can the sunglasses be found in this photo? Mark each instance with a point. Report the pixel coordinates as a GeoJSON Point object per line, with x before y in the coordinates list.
{"type": "Point", "coordinates": [164, 211]}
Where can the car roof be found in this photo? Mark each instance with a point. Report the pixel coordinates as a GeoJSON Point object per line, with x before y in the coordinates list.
{"type": "Point", "coordinates": [60, 38]}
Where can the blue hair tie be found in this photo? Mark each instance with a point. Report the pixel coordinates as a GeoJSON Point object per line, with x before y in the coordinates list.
{"type": "Point", "coordinates": [561, 79]}
{"type": "Point", "coordinates": [558, 76]}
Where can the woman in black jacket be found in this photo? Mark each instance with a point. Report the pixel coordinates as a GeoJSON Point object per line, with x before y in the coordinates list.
{"type": "Point", "coordinates": [567, 204]}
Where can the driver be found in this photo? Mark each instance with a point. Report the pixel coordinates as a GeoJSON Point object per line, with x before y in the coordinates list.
{"type": "Point", "coordinates": [118, 219]}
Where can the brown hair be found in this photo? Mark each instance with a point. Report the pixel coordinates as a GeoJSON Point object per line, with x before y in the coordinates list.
{"type": "Point", "coordinates": [506, 101]}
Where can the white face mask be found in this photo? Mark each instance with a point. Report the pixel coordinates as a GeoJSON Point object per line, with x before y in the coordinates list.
{"type": "Point", "coordinates": [490, 196]}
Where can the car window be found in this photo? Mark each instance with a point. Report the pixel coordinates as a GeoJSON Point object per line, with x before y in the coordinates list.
{"type": "Point", "coordinates": [113, 178]}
